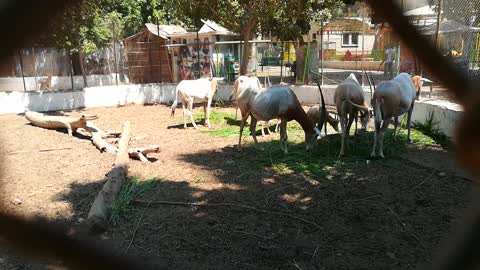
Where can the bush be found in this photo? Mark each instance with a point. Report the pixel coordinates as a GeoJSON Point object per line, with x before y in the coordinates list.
{"type": "Point", "coordinates": [377, 55]}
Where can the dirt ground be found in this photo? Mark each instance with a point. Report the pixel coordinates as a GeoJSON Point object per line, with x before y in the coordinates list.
{"type": "Point", "coordinates": [362, 214]}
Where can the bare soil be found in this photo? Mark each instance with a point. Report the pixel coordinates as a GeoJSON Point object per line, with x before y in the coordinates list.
{"type": "Point", "coordinates": [363, 214]}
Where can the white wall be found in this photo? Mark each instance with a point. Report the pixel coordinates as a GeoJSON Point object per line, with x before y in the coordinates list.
{"type": "Point", "coordinates": [57, 83]}
{"type": "Point", "coordinates": [337, 38]}
{"type": "Point", "coordinates": [447, 114]}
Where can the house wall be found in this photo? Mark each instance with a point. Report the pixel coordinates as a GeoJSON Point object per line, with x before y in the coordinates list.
{"type": "Point", "coordinates": [369, 39]}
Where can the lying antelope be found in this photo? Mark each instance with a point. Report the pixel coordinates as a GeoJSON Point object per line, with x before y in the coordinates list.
{"type": "Point", "coordinates": [189, 91]}
{"type": "Point", "coordinates": [350, 101]}
{"type": "Point", "coordinates": [270, 103]}
{"type": "Point", "coordinates": [392, 99]}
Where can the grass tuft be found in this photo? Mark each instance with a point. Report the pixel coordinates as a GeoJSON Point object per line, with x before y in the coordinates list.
{"type": "Point", "coordinates": [430, 129]}
{"type": "Point", "coordinates": [129, 192]}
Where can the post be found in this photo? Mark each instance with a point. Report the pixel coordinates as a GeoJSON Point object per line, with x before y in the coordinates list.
{"type": "Point", "coordinates": [240, 55]}
{"type": "Point", "coordinates": [439, 14]}
{"type": "Point", "coordinates": [35, 67]}
{"type": "Point", "coordinates": [281, 62]}
{"type": "Point", "coordinates": [363, 43]}
{"type": "Point", "coordinates": [114, 52]}
{"type": "Point", "coordinates": [71, 68]}
{"type": "Point", "coordinates": [321, 52]}
{"type": "Point", "coordinates": [159, 52]}
{"type": "Point", "coordinates": [21, 69]}
{"type": "Point", "coordinates": [198, 54]}
{"type": "Point", "coordinates": [307, 64]}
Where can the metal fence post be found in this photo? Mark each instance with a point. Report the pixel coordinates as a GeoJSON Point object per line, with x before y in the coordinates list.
{"type": "Point", "coordinates": [114, 52]}
{"type": "Point", "coordinates": [21, 70]}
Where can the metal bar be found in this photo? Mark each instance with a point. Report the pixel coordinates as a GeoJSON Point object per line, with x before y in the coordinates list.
{"type": "Point", "coordinates": [21, 70]}
{"type": "Point", "coordinates": [114, 52]}
{"type": "Point", "coordinates": [198, 55]}
{"type": "Point", "coordinates": [321, 52]}
{"type": "Point", "coordinates": [71, 69]}
{"type": "Point", "coordinates": [160, 54]}
{"type": "Point", "coordinates": [281, 63]}
{"type": "Point", "coordinates": [35, 68]}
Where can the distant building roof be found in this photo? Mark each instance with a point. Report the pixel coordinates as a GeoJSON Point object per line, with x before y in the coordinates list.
{"type": "Point", "coordinates": [211, 26]}
{"type": "Point", "coordinates": [166, 30]}
{"type": "Point", "coordinates": [347, 24]}
{"type": "Point", "coordinates": [447, 26]}
{"type": "Point", "coordinates": [421, 11]}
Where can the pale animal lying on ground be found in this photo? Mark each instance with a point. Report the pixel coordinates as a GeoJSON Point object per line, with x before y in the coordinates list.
{"type": "Point", "coordinates": [350, 101]}
{"type": "Point", "coordinates": [314, 113]}
{"type": "Point", "coordinates": [190, 91]}
{"type": "Point", "coordinates": [392, 99]}
{"type": "Point", "coordinates": [270, 103]}
{"type": "Point", "coordinates": [71, 123]}
{"type": "Point", "coordinates": [255, 84]}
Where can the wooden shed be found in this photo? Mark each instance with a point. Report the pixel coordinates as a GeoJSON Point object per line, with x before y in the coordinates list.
{"type": "Point", "coordinates": [148, 57]}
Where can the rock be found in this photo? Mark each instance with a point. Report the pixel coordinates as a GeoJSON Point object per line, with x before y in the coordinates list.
{"type": "Point", "coordinates": [16, 201]}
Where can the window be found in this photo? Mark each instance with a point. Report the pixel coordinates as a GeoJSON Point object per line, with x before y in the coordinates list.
{"type": "Point", "coordinates": [314, 36]}
{"type": "Point", "coordinates": [350, 39]}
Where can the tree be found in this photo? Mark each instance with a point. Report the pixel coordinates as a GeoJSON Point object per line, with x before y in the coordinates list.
{"type": "Point", "coordinates": [241, 16]}
{"type": "Point", "coordinates": [293, 20]}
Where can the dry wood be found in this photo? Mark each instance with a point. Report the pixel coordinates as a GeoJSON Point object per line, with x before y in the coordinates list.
{"type": "Point", "coordinates": [141, 152]}
{"type": "Point", "coordinates": [40, 151]}
{"type": "Point", "coordinates": [98, 139]}
{"type": "Point", "coordinates": [99, 213]}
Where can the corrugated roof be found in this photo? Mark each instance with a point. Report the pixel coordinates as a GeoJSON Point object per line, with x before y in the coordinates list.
{"type": "Point", "coordinates": [211, 26]}
{"type": "Point", "coordinates": [350, 24]}
{"type": "Point", "coordinates": [447, 26]}
{"type": "Point", "coordinates": [421, 11]}
{"type": "Point", "coordinates": [167, 30]}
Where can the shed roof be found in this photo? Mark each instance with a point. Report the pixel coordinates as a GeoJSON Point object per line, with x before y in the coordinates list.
{"type": "Point", "coordinates": [166, 30]}
{"type": "Point", "coordinates": [347, 24]}
{"type": "Point", "coordinates": [421, 11]}
{"type": "Point", "coordinates": [153, 29]}
{"type": "Point", "coordinates": [448, 26]}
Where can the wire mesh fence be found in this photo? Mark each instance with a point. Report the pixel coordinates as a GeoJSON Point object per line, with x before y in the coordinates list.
{"type": "Point", "coordinates": [350, 42]}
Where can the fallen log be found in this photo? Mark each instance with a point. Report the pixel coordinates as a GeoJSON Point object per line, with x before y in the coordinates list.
{"type": "Point", "coordinates": [141, 152]}
{"type": "Point", "coordinates": [100, 210]}
{"type": "Point", "coordinates": [98, 139]}
{"type": "Point", "coordinates": [55, 122]}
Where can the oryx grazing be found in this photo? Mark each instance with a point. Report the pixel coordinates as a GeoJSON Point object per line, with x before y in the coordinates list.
{"type": "Point", "coordinates": [392, 99]}
{"type": "Point", "coordinates": [190, 91]}
{"type": "Point", "coordinates": [350, 101]}
{"type": "Point", "coordinates": [270, 103]}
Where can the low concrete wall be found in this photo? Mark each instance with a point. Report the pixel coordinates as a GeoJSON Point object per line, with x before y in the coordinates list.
{"type": "Point", "coordinates": [58, 82]}
{"type": "Point", "coordinates": [447, 114]}
{"type": "Point", "coordinates": [353, 65]}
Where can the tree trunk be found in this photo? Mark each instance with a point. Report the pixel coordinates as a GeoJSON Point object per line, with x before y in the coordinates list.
{"type": "Point", "coordinates": [82, 68]}
{"type": "Point", "coordinates": [100, 211]}
{"type": "Point", "coordinates": [246, 46]}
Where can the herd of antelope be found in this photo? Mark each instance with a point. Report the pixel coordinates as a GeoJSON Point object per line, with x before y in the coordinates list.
{"type": "Point", "coordinates": [390, 101]}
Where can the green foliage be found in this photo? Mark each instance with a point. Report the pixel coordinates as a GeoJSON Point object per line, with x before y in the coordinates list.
{"type": "Point", "coordinates": [129, 192]}
{"type": "Point", "coordinates": [377, 55]}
